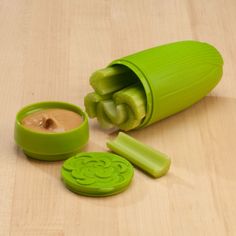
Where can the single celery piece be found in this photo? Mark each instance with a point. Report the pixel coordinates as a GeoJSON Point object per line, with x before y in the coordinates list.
{"type": "Point", "coordinates": [134, 97]}
{"type": "Point", "coordinates": [111, 79]}
{"type": "Point", "coordinates": [117, 114]}
{"type": "Point", "coordinates": [102, 118]}
{"type": "Point", "coordinates": [146, 158]}
{"type": "Point", "coordinates": [90, 102]}
{"type": "Point", "coordinates": [132, 122]}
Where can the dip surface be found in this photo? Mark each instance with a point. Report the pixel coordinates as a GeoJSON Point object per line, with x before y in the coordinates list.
{"type": "Point", "coordinates": [52, 120]}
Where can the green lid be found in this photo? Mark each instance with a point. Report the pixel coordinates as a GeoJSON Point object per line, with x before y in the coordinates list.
{"type": "Point", "coordinates": [97, 173]}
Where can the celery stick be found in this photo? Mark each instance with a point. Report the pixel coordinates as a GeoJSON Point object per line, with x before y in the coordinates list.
{"type": "Point", "coordinates": [111, 79]}
{"type": "Point", "coordinates": [117, 114]}
{"type": "Point", "coordinates": [102, 118]}
{"type": "Point", "coordinates": [131, 122]}
{"type": "Point", "coordinates": [134, 97]}
{"type": "Point", "coordinates": [90, 102]}
{"type": "Point", "coordinates": [146, 158]}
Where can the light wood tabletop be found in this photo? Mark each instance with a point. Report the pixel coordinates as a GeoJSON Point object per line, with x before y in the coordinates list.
{"type": "Point", "coordinates": [48, 50]}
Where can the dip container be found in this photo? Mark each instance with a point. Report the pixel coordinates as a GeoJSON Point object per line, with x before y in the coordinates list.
{"type": "Point", "coordinates": [174, 76]}
{"type": "Point", "coordinates": [51, 146]}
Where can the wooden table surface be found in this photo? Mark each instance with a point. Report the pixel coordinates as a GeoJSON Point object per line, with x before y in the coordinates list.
{"type": "Point", "coordinates": [48, 49]}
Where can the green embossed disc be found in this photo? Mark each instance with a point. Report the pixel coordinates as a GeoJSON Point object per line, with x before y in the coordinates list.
{"type": "Point", "coordinates": [97, 173]}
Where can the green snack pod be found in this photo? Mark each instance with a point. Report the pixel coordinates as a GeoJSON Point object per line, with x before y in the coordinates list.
{"type": "Point", "coordinates": [51, 146]}
{"type": "Point", "coordinates": [173, 76]}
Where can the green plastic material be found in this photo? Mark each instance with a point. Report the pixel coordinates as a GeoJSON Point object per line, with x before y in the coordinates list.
{"type": "Point", "coordinates": [97, 174]}
{"type": "Point", "coordinates": [51, 146]}
{"type": "Point", "coordinates": [146, 158]}
{"type": "Point", "coordinates": [174, 76]}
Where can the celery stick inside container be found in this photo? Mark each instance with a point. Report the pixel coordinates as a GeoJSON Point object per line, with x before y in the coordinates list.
{"type": "Point", "coordinates": [140, 89]}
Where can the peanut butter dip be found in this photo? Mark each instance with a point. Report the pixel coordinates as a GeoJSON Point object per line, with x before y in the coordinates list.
{"type": "Point", "coordinates": [52, 120]}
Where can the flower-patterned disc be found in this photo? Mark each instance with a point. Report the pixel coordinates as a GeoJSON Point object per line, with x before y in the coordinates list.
{"type": "Point", "coordinates": [97, 173]}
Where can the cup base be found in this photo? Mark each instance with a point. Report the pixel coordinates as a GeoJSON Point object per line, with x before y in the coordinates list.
{"type": "Point", "coordinates": [43, 157]}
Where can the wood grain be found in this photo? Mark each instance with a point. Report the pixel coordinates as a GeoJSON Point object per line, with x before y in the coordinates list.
{"type": "Point", "coordinates": [48, 49]}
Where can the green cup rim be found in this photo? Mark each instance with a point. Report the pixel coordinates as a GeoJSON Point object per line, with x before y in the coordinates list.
{"type": "Point", "coordinates": [31, 108]}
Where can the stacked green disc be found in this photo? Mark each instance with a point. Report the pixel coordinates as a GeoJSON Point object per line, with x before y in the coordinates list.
{"type": "Point", "coordinates": [97, 174]}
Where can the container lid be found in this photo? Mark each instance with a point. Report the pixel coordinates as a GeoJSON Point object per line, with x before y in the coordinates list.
{"type": "Point", "coordinates": [97, 173]}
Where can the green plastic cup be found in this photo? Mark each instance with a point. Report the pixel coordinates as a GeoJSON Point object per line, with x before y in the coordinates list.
{"type": "Point", "coordinates": [174, 76]}
{"type": "Point", "coordinates": [51, 146]}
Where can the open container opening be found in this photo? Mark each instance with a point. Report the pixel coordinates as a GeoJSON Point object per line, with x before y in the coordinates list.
{"type": "Point", "coordinates": [119, 98]}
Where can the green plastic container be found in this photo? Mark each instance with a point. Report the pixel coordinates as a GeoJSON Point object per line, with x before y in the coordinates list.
{"type": "Point", "coordinates": [174, 76]}
{"type": "Point", "coordinates": [51, 146]}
